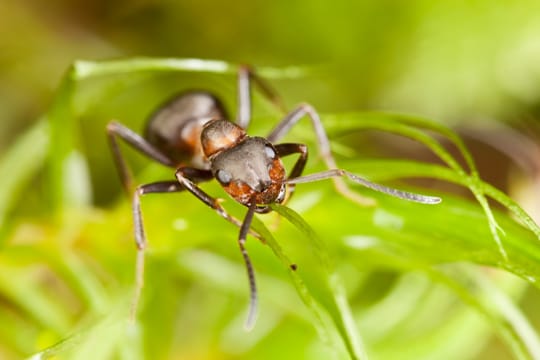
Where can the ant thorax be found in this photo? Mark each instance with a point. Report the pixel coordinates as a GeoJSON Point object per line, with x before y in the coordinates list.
{"type": "Point", "coordinates": [251, 170]}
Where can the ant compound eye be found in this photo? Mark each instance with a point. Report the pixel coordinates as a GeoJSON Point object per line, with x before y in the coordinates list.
{"type": "Point", "coordinates": [223, 176]}
{"type": "Point", "coordinates": [270, 152]}
{"type": "Point", "coordinates": [281, 195]}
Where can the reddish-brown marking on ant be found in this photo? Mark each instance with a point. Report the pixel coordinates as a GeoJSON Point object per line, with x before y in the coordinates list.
{"type": "Point", "coordinates": [191, 133]}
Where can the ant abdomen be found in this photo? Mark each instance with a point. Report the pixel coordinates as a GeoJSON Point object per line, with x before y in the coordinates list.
{"type": "Point", "coordinates": [175, 127]}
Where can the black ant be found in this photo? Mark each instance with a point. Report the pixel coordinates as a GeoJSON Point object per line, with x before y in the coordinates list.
{"type": "Point", "coordinates": [191, 134]}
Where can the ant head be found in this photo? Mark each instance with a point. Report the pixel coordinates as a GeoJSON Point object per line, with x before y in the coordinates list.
{"type": "Point", "coordinates": [251, 171]}
{"type": "Point", "coordinates": [219, 135]}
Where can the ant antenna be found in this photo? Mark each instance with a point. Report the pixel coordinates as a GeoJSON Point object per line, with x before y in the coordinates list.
{"type": "Point", "coordinates": [252, 312]}
{"type": "Point", "coordinates": [405, 195]}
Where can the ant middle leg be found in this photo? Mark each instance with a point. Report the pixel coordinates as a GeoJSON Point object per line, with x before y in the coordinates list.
{"type": "Point", "coordinates": [324, 147]}
{"type": "Point", "coordinates": [140, 236]}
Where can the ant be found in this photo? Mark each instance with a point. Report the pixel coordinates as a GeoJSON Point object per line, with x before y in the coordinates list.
{"type": "Point", "coordinates": [191, 134]}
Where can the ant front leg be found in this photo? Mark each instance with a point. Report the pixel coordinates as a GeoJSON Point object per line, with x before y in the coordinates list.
{"type": "Point", "coordinates": [187, 177]}
{"type": "Point", "coordinates": [324, 147]}
{"type": "Point", "coordinates": [114, 130]}
{"type": "Point", "coordinates": [246, 75]}
{"type": "Point", "coordinates": [184, 175]}
{"type": "Point", "coordinates": [196, 175]}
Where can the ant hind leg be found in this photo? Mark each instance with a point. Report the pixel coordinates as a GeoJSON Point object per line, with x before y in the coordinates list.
{"type": "Point", "coordinates": [246, 75]}
{"type": "Point", "coordinates": [116, 130]}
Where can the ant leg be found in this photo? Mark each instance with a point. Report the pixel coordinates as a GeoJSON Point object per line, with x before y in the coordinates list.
{"type": "Point", "coordinates": [333, 173]}
{"type": "Point", "coordinates": [245, 75]}
{"type": "Point", "coordinates": [183, 175]}
{"type": "Point", "coordinates": [114, 130]}
{"type": "Point", "coordinates": [140, 237]}
{"type": "Point", "coordinates": [187, 177]}
{"type": "Point", "coordinates": [298, 168]}
{"type": "Point", "coordinates": [324, 147]}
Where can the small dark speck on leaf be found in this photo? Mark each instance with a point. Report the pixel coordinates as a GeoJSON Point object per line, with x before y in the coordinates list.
{"type": "Point", "coordinates": [294, 267]}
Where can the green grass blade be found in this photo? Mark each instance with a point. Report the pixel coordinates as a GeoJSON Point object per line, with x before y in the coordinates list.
{"type": "Point", "coordinates": [21, 162]}
{"type": "Point", "coordinates": [85, 69]}
{"type": "Point", "coordinates": [341, 315]}
{"type": "Point", "coordinates": [423, 123]}
{"type": "Point", "coordinates": [359, 121]}
{"type": "Point", "coordinates": [492, 304]}
{"type": "Point", "coordinates": [40, 306]}
{"type": "Point", "coordinates": [319, 319]}
{"type": "Point", "coordinates": [399, 124]}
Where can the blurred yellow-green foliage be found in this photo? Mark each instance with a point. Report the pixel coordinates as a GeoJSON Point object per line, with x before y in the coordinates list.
{"type": "Point", "coordinates": [471, 65]}
{"type": "Point", "coordinates": [448, 60]}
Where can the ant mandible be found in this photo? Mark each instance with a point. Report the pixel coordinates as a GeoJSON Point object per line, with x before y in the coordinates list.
{"type": "Point", "coordinates": [191, 134]}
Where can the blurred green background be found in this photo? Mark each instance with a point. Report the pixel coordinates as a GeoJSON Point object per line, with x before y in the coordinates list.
{"type": "Point", "coordinates": [447, 60]}
{"type": "Point", "coordinates": [472, 65]}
